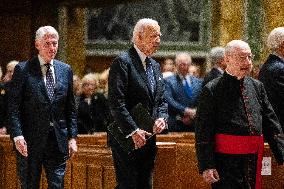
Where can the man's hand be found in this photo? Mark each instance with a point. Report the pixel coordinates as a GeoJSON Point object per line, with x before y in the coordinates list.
{"type": "Point", "coordinates": [139, 138]}
{"type": "Point", "coordinates": [21, 146]}
{"type": "Point", "coordinates": [159, 125]}
{"type": "Point", "coordinates": [72, 145]}
{"type": "Point", "coordinates": [210, 176]}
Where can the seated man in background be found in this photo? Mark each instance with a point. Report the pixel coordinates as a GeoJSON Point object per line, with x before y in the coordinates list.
{"type": "Point", "coordinates": [182, 91]}
{"type": "Point", "coordinates": [216, 57]}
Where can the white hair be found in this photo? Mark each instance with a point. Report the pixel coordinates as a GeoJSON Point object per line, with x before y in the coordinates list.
{"type": "Point", "coordinates": [141, 25]}
{"type": "Point", "coordinates": [183, 55]}
{"type": "Point", "coordinates": [216, 55]}
{"type": "Point", "coordinates": [46, 30]}
{"type": "Point", "coordinates": [234, 44]}
{"type": "Point", "coordinates": [275, 38]}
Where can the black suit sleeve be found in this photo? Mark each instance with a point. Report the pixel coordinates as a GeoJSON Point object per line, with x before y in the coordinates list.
{"type": "Point", "coordinates": [14, 100]}
{"type": "Point", "coordinates": [204, 134]}
{"type": "Point", "coordinates": [117, 91]}
{"type": "Point", "coordinates": [272, 130]}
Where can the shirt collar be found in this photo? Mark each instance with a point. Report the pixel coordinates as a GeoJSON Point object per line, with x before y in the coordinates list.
{"type": "Point", "coordinates": [233, 75]}
{"type": "Point", "coordinates": [42, 62]}
{"type": "Point", "coordinates": [220, 70]}
{"type": "Point", "coordinates": [183, 77]}
{"type": "Point", "coordinates": [142, 56]}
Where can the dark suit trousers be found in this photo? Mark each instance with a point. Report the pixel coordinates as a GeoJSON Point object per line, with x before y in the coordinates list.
{"type": "Point", "coordinates": [53, 161]}
{"type": "Point", "coordinates": [134, 171]}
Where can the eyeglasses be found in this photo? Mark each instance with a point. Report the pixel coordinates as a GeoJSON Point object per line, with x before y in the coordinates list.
{"type": "Point", "coordinates": [249, 57]}
{"type": "Point", "coordinates": [242, 58]}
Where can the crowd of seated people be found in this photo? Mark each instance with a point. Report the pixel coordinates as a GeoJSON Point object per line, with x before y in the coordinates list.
{"type": "Point", "coordinates": [4, 88]}
{"type": "Point", "coordinates": [92, 107]}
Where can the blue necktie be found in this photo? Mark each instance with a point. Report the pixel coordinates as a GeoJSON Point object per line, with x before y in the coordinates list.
{"type": "Point", "coordinates": [187, 88]}
{"type": "Point", "coordinates": [49, 82]}
{"type": "Point", "coordinates": [150, 75]}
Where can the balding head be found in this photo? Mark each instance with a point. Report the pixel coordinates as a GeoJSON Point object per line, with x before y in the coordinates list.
{"type": "Point", "coordinates": [238, 58]}
{"type": "Point", "coordinates": [146, 36]}
{"type": "Point", "coordinates": [235, 45]}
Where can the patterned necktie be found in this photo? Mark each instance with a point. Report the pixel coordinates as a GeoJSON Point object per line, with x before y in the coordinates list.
{"type": "Point", "coordinates": [150, 75]}
{"type": "Point", "coordinates": [49, 82]}
{"type": "Point", "coordinates": [187, 88]}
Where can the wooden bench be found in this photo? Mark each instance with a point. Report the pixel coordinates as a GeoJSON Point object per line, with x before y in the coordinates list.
{"type": "Point", "coordinates": [92, 167]}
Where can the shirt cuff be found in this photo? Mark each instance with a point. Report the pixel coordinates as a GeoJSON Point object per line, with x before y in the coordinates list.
{"type": "Point", "coordinates": [18, 138]}
{"type": "Point", "coordinates": [132, 133]}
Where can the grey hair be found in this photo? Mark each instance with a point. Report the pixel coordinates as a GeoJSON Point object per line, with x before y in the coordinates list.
{"type": "Point", "coordinates": [46, 30]}
{"type": "Point", "coordinates": [141, 25]}
{"type": "Point", "coordinates": [275, 38]}
{"type": "Point", "coordinates": [232, 45]}
{"type": "Point", "coordinates": [183, 54]}
{"type": "Point", "coordinates": [216, 55]}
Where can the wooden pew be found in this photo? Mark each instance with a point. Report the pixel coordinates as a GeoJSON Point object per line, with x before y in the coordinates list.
{"type": "Point", "coordinates": [92, 166]}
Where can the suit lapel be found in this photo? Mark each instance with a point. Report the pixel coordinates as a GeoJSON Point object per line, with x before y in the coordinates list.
{"type": "Point", "coordinates": [140, 69]}
{"type": "Point", "coordinates": [58, 72]}
{"type": "Point", "coordinates": [37, 76]}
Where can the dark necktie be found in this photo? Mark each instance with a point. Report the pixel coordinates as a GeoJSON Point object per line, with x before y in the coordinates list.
{"type": "Point", "coordinates": [150, 75]}
{"type": "Point", "coordinates": [49, 82]}
{"type": "Point", "coordinates": [187, 88]}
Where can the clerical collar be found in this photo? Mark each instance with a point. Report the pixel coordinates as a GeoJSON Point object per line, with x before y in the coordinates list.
{"type": "Point", "coordinates": [233, 75]}
{"type": "Point", "coordinates": [140, 53]}
{"type": "Point", "coordinates": [42, 62]}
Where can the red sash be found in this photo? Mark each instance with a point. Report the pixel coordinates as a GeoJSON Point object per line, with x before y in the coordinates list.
{"type": "Point", "coordinates": [232, 144]}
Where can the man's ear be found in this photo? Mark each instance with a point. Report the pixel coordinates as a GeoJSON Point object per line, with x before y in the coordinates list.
{"type": "Point", "coordinates": [37, 44]}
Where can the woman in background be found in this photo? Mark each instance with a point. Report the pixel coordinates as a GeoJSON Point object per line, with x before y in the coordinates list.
{"type": "Point", "coordinates": [93, 109]}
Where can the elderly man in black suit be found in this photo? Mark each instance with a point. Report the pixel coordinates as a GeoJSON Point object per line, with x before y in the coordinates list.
{"type": "Point", "coordinates": [233, 115]}
{"type": "Point", "coordinates": [42, 114]}
{"type": "Point", "coordinates": [216, 57]}
{"type": "Point", "coordinates": [272, 72]}
{"type": "Point", "coordinates": [136, 78]}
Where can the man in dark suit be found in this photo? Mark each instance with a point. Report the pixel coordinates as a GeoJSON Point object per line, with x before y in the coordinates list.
{"type": "Point", "coordinates": [135, 78]}
{"type": "Point", "coordinates": [182, 91]}
{"type": "Point", "coordinates": [218, 64]}
{"type": "Point", "coordinates": [272, 72]}
{"type": "Point", "coordinates": [42, 114]}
